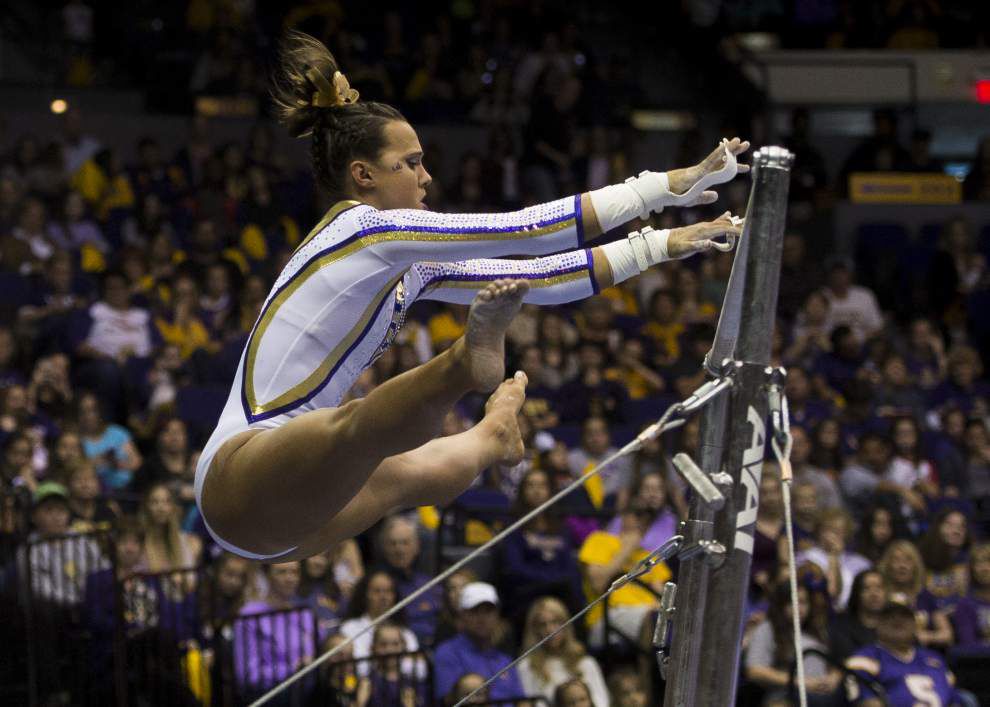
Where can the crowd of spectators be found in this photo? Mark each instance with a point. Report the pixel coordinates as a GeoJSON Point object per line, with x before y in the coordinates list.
{"type": "Point", "coordinates": [807, 24]}
{"type": "Point", "coordinates": [128, 287]}
{"type": "Point", "coordinates": [442, 61]}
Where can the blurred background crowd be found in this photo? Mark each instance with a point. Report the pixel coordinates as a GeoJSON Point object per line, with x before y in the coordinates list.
{"type": "Point", "coordinates": [132, 271]}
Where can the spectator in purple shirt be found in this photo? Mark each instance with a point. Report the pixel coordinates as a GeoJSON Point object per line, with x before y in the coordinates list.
{"type": "Point", "coordinates": [972, 615]}
{"type": "Point", "coordinates": [945, 550]}
{"type": "Point", "coordinates": [320, 590]}
{"type": "Point", "coordinates": [899, 394]}
{"type": "Point", "coordinates": [949, 452]}
{"type": "Point", "coordinates": [903, 573]}
{"type": "Point", "coordinates": [472, 651]}
{"type": "Point", "coordinates": [230, 583]}
{"type": "Point", "coordinates": [591, 394]}
{"type": "Point", "coordinates": [269, 647]}
{"type": "Point", "coordinates": [400, 551]}
{"type": "Point", "coordinates": [925, 354]}
{"type": "Point", "coordinates": [838, 367]}
{"type": "Point", "coordinates": [964, 388]}
{"type": "Point", "coordinates": [391, 680]}
{"type": "Point", "coordinates": [806, 409]}
{"type": "Point", "coordinates": [540, 559]}
{"type": "Point", "coordinates": [649, 494]}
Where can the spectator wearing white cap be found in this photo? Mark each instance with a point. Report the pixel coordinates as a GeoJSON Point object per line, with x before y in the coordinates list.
{"type": "Point", "coordinates": [472, 650]}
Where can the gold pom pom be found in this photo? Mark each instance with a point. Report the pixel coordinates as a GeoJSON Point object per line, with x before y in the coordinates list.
{"type": "Point", "coordinates": [326, 95]}
{"type": "Point", "coordinates": [345, 94]}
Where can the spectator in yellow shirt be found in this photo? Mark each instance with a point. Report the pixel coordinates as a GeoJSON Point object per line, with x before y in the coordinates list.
{"type": "Point", "coordinates": [182, 325]}
{"type": "Point", "coordinates": [603, 558]}
{"type": "Point", "coordinates": [447, 326]}
{"type": "Point", "coordinates": [664, 326]}
{"type": "Point", "coordinates": [639, 379]}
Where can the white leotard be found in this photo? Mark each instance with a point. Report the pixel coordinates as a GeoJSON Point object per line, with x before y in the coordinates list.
{"type": "Point", "coordinates": [343, 296]}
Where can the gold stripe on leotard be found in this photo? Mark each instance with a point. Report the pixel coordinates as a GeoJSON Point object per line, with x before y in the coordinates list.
{"type": "Point", "coordinates": [335, 211]}
{"type": "Point", "coordinates": [521, 233]}
{"type": "Point", "coordinates": [533, 282]}
{"type": "Point", "coordinates": [314, 379]}
{"type": "Point", "coordinates": [297, 280]}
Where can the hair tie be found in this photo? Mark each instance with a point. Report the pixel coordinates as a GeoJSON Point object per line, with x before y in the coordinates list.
{"type": "Point", "coordinates": [327, 96]}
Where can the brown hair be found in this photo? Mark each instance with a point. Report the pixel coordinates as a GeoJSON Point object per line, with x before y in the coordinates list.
{"type": "Point", "coordinates": [163, 544]}
{"type": "Point", "coordinates": [937, 556]}
{"type": "Point", "coordinates": [340, 133]}
{"type": "Point", "coordinates": [815, 624]}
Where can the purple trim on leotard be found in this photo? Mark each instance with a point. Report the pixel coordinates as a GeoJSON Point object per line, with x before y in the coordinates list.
{"type": "Point", "coordinates": [591, 271]}
{"type": "Point", "coordinates": [323, 384]}
{"type": "Point", "coordinates": [578, 219]}
{"type": "Point", "coordinates": [457, 231]}
{"type": "Point", "coordinates": [473, 277]}
{"type": "Point", "coordinates": [361, 234]}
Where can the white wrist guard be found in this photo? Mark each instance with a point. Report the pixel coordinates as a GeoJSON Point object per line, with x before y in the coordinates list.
{"type": "Point", "coordinates": [649, 192]}
{"type": "Point", "coordinates": [618, 204]}
{"type": "Point", "coordinates": [640, 250]}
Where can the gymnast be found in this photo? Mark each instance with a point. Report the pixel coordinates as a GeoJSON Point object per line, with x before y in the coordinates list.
{"type": "Point", "coordinates": [289, 470]}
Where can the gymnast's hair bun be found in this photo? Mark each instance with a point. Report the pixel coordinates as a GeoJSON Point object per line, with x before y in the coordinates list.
{"type": "Point", "coordinates": [313, 98]}
{"type": "Point", "coordinates": [306, 82]}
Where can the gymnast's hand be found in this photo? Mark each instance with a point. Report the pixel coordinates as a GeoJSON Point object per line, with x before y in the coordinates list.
{"type": "Point", "coordinates": [700, 237]}
{"type": "Point", "coordinates": [681, 180]}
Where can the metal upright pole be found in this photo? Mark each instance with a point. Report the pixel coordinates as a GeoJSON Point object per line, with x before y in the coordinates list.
{"type": "Point", "coordinates": [692, 584]}
{"type": "Point", "coordinates": [721, 628]}
{"type": "Point", "coordinates": [682, 675]}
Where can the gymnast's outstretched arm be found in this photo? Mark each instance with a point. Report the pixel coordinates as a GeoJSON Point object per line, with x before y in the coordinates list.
{"type": "Point", "coordinates": [570, 276]}
{"type": "Point", "coordinates": [553, 279]}
{"type": "Point", "coordinates": [402, 237]}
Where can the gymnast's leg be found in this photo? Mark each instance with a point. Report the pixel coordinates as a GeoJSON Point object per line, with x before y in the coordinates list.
{"type": "Point", "coordinates": [436, 473]}
{"type": "Point", "coordinates": [275, 489]}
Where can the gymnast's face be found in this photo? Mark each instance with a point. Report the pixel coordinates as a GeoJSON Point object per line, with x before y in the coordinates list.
{"type": "Point", "coordinates": [398, 179]}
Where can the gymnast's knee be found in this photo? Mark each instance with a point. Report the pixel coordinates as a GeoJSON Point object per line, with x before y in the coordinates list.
{"type": "Point", "coordinates": [344, 424]}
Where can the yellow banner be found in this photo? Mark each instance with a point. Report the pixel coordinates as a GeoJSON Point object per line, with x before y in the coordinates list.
{"type": "Point", "coordinates": [904, 188]}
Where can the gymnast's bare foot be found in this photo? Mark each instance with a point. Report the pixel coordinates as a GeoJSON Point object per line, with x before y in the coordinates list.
{"type": "Point", "coordinates": [501, 414]}
{"type": "Point", "coordinates": [484, 340]}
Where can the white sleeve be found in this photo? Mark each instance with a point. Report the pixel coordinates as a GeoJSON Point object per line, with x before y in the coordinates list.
{"type": "Point", "coordinates": [402, 237]}
{"type": "Point", "coordinates": [555, 279]}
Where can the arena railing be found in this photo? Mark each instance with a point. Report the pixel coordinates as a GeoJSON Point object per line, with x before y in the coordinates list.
{"type": "Point", "coordinates": [340, 681]}
{"type": "Point", "coordinates": [162, 651]}
{"type": "Point", "coordinates": [257, 651]}
{"type": "Point", "coordinates": [50, 582]}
